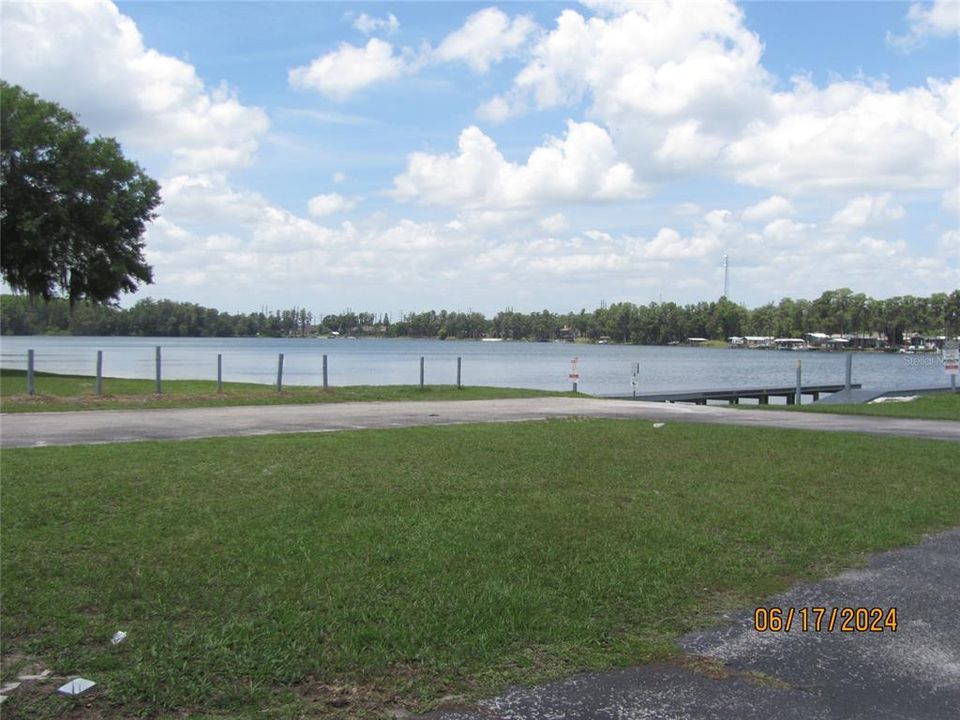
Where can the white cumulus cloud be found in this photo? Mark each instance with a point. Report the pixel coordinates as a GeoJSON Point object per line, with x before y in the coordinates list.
{"type": "Point", "coordinates": [322, 205]}
{"type": "Point", "coordinates": [681, 90]}
{"type": "Point", "coordinates": [851, 135]}
{"type": "Point", "coordinates": [941, 18]}
{"type": "Point", "coordinates": [773, 207]}
{"type": "Point", "coordinates": [581, 166]}
{"type": "Point", "coordinates": [487, 37]}
{"type": "Point", "coordinates": [868, 210]}
{"type": "Point", "coordinates": [369, 25]}
{"type": "Point", "coordinates": [555, 223]}
{"type": "Point", "coordinates": [92, 59]}
{"type": "Point", "coordinates": [669, 81]}
{"type": "Point", "coordinates": [349, 68]}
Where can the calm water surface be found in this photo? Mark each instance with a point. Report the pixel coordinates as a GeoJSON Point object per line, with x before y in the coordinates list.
{"type": "Point", "coordinates": [604, 369]}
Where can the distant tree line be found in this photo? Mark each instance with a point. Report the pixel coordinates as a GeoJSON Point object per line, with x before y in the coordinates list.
{"type": "Point", "coordinates": [835, 311]}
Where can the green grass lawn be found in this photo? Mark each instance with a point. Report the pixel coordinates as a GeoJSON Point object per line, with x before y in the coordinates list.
{"type": "Point", "coordinates": [77, 392]}
{"type": "Point", "coordinates": [943, 406]}
{"type": "Point", "coordinates": [351, 574]}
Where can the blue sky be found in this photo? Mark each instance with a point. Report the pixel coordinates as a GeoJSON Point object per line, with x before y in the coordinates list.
{"type": "Point", "coordinates": [406, 156]}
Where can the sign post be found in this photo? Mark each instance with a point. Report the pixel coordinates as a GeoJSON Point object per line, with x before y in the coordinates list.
{"type": "Point", "coordinates": [951, 361]}
{"type": "Point", "coordinates": [574, 375]}
{"type": "Point", "coordinates": [635, 379]}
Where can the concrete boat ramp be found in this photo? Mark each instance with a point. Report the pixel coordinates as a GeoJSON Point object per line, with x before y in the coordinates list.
{"type": "Point", "coordinates": [87, 427]}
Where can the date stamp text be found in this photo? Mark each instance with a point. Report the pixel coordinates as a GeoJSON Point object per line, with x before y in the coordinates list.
{"type": "Point", "coordinates": [825, 619]}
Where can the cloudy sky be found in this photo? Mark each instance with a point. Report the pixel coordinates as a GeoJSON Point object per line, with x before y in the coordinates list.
{"type": "Point", "coordinates": [409, 156]}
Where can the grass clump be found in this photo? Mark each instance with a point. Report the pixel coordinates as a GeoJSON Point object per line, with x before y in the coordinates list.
{"type": "Point", "coordinates": [352, 574]}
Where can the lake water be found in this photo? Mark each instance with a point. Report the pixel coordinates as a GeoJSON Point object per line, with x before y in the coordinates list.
{"type": "Point", "coordinates": [604, 369]}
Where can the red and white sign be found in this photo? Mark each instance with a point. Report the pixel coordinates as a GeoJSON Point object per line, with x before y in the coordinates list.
{"type": "Point", "coordinates": [951, 357]}
{"type": "Point", "coordinates": [574, 371]}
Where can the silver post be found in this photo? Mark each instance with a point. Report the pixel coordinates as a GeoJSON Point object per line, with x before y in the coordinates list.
{"type": "Point", "coordinates": [159, 385]}
{"type": "Point", "coordinates": [99, 372]}
{"type": "Point", "coordinates": [797, 397]}
{"type": "Point", "coordinates": [421, 372]}
{"type": "Point", "coordinates": [459, 361]}
{"type": "Point", "coordinates": [219, 372]}
{"type": "Point", "coordinates": [575, 386]}
{"type": "Point", "coordinates": [849, 378]}
{"type": "Point", "coordinates": [325, 372]}
{"type": "Point", "coordinates": [280, 372]}
{"type": "Point", "coordinates": [31, 389]}
{"type": "Point", "coordinates": [953, 383]}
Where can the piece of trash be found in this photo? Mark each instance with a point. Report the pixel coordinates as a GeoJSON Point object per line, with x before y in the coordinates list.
{"type": "Point", "coordinates": [659, 425]}
{"type": "Point", "coordinates": [118, 637]}
{"type": "Point", "coordinates": [42, 676]}
{"type": "Point", "coordinates": [9, 687]}
{"type": "Point", "coordinates": [76, 686]}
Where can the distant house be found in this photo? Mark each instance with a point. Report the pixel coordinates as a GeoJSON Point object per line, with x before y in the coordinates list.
{"type": "Point", "coordinates": [863, 342]}
{"type": "Point", "coordinates": [790, 343]}
{"type": "Point", "coordinates": [567, 334]}
{"type": "Point", "coordinates": [926, 343]}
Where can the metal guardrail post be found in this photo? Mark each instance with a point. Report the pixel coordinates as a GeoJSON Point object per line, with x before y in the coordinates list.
{"type": "Point", "coordinates": [799, 394]}
{"type": "Point", "coordinates": [31, 388]}
{"type": "Point", "coordinates": [159, 387]}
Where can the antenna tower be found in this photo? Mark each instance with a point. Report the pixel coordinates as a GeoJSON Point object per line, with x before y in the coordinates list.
{"type": "Point", "coordinates": [726, 276]}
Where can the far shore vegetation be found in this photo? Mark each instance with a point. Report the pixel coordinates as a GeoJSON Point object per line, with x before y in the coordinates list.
{"type": "Point", "coordinates": [839, 311]}
{"type": "Point", "coordinates": [78, 392]}
{"type": "Point", "coordinates": [376, 573]}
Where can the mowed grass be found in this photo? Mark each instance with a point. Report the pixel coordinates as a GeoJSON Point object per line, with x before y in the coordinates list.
{"type": "Point", "coordinates": [943, 406]}
{"type": "Point", "coordinates": [353, 574]}
{"type": "Point", "coordinates": [78, 392]}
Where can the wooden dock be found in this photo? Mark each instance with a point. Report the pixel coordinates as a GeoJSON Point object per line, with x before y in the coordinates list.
{"type": "Point", "coordinates": [735, 395]}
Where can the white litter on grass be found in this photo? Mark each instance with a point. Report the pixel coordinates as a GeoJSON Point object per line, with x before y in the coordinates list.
{"type": "Point", "coordinates": [659, 425]}
{"type": "Point", "coordinates": [118, 637]}
{"type": "Point", "coordinates": [76, 686]}
{"type": "Point", "coordinates": [894, 398]}
{"type": "Point", "coordinates": [41, 676]}
{"type": "Point", "coordinates": [9, 687]}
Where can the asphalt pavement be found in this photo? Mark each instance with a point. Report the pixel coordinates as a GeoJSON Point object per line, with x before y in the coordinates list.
{"type": "Point", "coordinates": [86, 427]}
{"type": "Point", "coordinates": [734, 672]}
